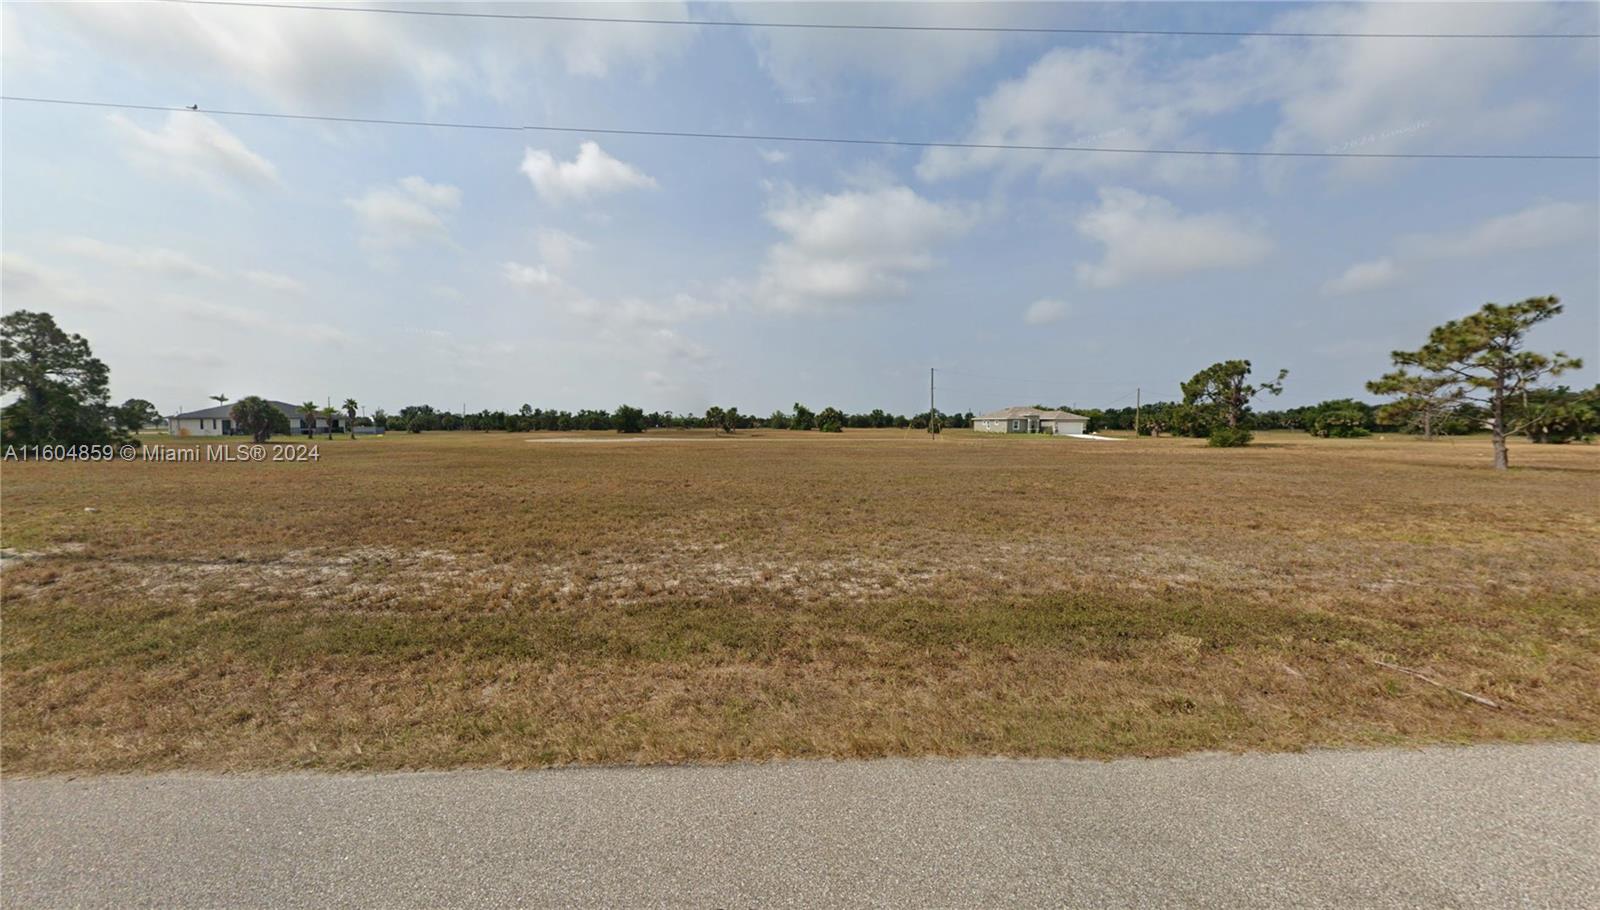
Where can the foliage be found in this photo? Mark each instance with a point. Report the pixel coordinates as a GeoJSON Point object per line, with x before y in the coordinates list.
{"type": "Point", "coordinates": [416, 424]}
{"type": "Point", "coordinates": [1480, 358]}
{"type": "Point", "coordinates": [64, 395]}
{"type": "Point", "coordinates": [1220, 394]}
{"type": "Point", "coordinates": [804, 419]}
{"type": "Point", "coordinates": [778, 421]}
{"type": "Point", "coordinates": [830, 420]}
{"type": "Point", "coordinates": [350, 409]}
{"type": "Point", "coordinates": [135, 414]}
{"type": "Point", "coordinates": [1343, 418]}
{"type": "Point", "coordinates": [259, 418]}
{"type": "Point", "coordinates": [1223, 436]}
{"type": "Point", "coordinates": [628, 419]}
{"type": "Point", "coordinates": [1421, 401]}
{"type": "Point", "coordinates": [1561, 415]}
{"type": "Point", "coordinates": [308, 417]}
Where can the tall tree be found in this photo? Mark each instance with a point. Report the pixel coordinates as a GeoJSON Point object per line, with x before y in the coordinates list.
{"type": "Point", "coordinates": [63, 389]}
{"type": "Point", "coordinates": [1222, 390]}
{"type": "Point", "coordinates": [308, 417]}
{"type": "Point", "coordinates": [258, 417]}
{"type": "Point", "coordinates": [1480, 358]}
{"type": "Point", "coordinates": [1221, 394]}
{"type": "Point", "coordinates": [350, 409]}
{"type": "Point", "coordinates": [1420, 400]}
{"type": "Point", "coordinates": [327, 414]}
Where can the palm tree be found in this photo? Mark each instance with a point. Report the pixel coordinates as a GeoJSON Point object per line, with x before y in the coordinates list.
{"type": "Point", "coordinates": [327, 414]}
{"type": "Point", "coordinates": [308, 411]}
{"type": "Point", "coordinates": [350, 408]}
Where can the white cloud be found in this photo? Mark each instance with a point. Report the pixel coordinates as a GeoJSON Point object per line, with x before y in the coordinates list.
{"type": "Point", "coordinates": [1044, 312]}
{"type": "Point", "coordinates": [852, 246]}
{"type": "Point", "coordinates": [298, 59]}
{"type": "Point", "coordinates": [1116, 96]}
{"type": "Point", "coordinates": [623, 312]}
{"type": "Point", "coordinates": [27, 284]}
{"type": "Point", "coordinates": [774, 156]}
{"type": "Point", "coordinates": [591, 173]}
{"type": "Point", "coordinates": [1147, 237]}
{"type": "Point", "coordinates": [675, 347]}
{"type": "Point", "coordinates": [251, 321]}
{"type": "Point", "coordinates": [805, 63]}
{"type": "Point", "coordinates": [1538, 226]}
{"type": "Point", "coordinates": [1366, 95]}
{"type": "Point", "coordinates": [168, 263]}
{"type": "Point", "coordinates": [1387, 96]}
{"type": "Point", "coordinates": [1363, 277]}
{"type": "Point", "coordinates": [411, 212]}
{"type": "Point", "coordinates": [195, 148]}
{"type": "Point", "coordinates": [530, 277]}
{"type": "Point", "coordinates": [274, 281]}
{"type": "Point", "coordinates": [1544, 225]}
{"type": "Point", "coordinates": [558, 248]}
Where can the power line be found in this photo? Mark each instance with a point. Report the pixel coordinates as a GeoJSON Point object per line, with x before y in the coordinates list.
{"type": "Point", "coordinates": [837, 140]}
{"type": "Point", "coordinates": [845, 26]}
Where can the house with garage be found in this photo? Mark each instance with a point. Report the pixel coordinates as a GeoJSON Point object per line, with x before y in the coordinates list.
{"type": "Point", "coordinates": [1031, 420]}
{"type": "Point", "coordinates": [217, 421]}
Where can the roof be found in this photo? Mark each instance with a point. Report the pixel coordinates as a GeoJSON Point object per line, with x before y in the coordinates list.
{"type": "Point", "coordinates": [223, 410]}
{"type": "Point", "coordinates": [1019, 412]}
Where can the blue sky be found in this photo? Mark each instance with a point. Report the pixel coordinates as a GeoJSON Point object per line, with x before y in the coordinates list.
{"type": "Point", "coordinates": [206, 254]}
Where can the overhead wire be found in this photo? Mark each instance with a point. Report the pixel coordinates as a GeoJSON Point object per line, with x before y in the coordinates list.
{"type": "Point", "coordinates": [874, 26]}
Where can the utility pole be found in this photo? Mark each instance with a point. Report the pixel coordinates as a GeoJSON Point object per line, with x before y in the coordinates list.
{"type": "Point", "coordinates": [1136, 391]}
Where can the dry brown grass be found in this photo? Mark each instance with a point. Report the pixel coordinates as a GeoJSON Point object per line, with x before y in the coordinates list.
{"type": "Point", "coordinates": [466, 599]}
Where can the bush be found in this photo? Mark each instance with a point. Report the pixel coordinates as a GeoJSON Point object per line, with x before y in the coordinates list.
{"type": "Point", "coordinates": [415, 424]}
{"type": "Point", "coordinates": [628, 419]}
{"type": "Point", "coordinates": [1226, 437]}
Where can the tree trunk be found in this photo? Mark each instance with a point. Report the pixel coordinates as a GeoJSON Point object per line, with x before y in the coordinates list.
{"type": "Point", "coordinates": [1427, 424]}
{"type": "Point", "coordinates": [1497, 426]}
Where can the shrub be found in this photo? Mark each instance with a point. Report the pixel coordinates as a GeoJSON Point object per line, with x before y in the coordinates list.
{"type": "Point", "coordinates": [628, 419]}
{"type": "Point", "coordinates": [1226, 437]}
{"type": "Point", "coordinates": [415, 424]}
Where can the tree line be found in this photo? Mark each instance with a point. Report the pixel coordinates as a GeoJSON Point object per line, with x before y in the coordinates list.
{"type": "Point", "coordinates": [629, 419]}
{"type": "Point", "coordinates": [1473, 374]}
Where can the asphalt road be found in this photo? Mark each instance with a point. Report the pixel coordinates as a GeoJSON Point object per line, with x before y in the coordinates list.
{"type": "Point", "coordinates": [1485, 826]}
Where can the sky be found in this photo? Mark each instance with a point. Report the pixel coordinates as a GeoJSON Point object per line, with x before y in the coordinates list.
{"type": "Point", "coordinates": [202, 253]}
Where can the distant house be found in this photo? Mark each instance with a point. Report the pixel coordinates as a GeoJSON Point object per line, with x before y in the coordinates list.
{"type": "Point", "coordinates": [1031, 420]}
{"type": "Point", "coordinates": [218, 422]}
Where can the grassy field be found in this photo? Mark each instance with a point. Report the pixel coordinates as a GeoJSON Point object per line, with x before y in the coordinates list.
{"type": "Point", "coordinates": [473, 599]}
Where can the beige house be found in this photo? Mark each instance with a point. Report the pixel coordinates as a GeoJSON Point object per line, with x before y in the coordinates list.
{"type": "Point", "coordinates": [1031, 420]}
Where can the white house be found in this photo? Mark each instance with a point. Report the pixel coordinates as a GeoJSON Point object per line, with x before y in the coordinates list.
{"type": "Point", "coordinates": [217, 421]}
{"type": "Point", "coordinates": [1031, 420]}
